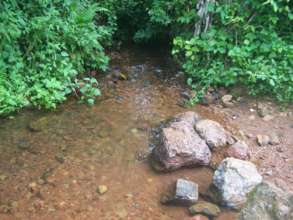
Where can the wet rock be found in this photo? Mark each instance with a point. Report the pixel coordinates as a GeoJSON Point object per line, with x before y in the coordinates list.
{"type": "Point", "coordinates": [268, 202]}
{"type": "Point", "coordinates": [239, 150]}
{"type": "Point", "coordinates": [214, 134]}
{"type": "Point", "coordinates": [274, 139]}
{"type": "Point", "coordinates": [262, 140]}
{"type": "Point", "coordinates": [234, 179]}
{"type": "Point", "coordinates": [102, 189]}
{"type": "Point", "coordinates": [205, 208]}
{"type": "Point", "coordinates": [227, 101]}
{"type": "Point", "coordinates": [39, 125]}
{"type": "Point", "coordinates": [180, 145]}
{"type": "Point", "coordinates": [185, 194]}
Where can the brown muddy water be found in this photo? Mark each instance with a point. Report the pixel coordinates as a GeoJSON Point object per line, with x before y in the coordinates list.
{"type": "Point", "coordinates": [54, 173]}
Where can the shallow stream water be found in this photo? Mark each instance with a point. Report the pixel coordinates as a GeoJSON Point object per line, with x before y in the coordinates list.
{"type": "Point", "coordinates": [54, 173]}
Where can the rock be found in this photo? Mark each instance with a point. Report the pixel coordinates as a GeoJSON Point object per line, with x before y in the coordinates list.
{"type": "Point", "coordinates": [23, 144]}
{"type": "Point", "coordinates": [102, 189]}
{"type": "Point", "coordinates": [180, 145]}
{"type": "Point", "coordinates": [227, 101]}
{"type": "Point", "coordinates": [234, 179]}
{"type": "Point", "coordinates": [268, 202]}
{"type": "Point", "coordinates": [262, 140]}
{"type": "Point", "coordinates": [274, 140]}
{"type": "Point", "coordinates": [39, 125]}
{"type": "Point", "coordinates": [268, 117]}
{"type": "Point", "coordinates": [60, 157]}
{"type": "Point", "coordinates": [185, 194]}
{"type": "Point", "coordinates": [263, 110]}
{"type": "Point", "coordinates": [239, 150]}
{"type": "Point", "coordinates": [205, 208]}
{"type": "Point", "coordinates": [3, 177]}
{"type": "Point", "coordinates": [214, 134]}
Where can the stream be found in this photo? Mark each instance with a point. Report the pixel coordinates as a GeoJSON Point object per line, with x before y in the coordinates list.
{"type": "Point", "coordinates": [51, 163]}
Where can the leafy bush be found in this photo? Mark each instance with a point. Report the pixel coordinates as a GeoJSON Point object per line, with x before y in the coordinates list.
{"type": "Point", "coordinates": [45, 45]}
{"type": "Point", "coordinates": [250, 42]}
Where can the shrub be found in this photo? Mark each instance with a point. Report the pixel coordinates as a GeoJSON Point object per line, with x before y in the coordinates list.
{"type": "Point", "coordinates": [45, 45]}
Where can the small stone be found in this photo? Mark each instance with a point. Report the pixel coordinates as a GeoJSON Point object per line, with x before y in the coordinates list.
{"type": "Point", "coordinates": [269, 173]}
{"type": "Point", "coordinates": [39, 124]}
{"type": "Point", "coordinates": [205, 208]}
{"type": "Point", "coordinates": [239, 150]}
{"type": "Point", "coordinates": [262, 140]}
{"type": "Point", "coordinates": [263, 110]}
{"type": "Point", "coordinates": [186, 193]}
{"type": "Point", "coordinates": [102, 189]}
{"type": "Point", "coordinates": [60, 158]}
{"type": "Point", "coordinates": [268, 118]}
{"type": "Point", "coordinates": [23, 144]}
{"type": "Point", "coordinates": [274, 140]}
{"type": "Point", "coordinates": [3, 177]}
{"type": "Point", "coordinates": [33, 187]}
{"type": "Point", "coordinates": [227, 101]}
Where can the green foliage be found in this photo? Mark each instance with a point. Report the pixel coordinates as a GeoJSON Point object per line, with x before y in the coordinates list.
{"type": "Point", "coordinates": [45, 45]}
{"type": "Point", "coordinates": [250, 42]}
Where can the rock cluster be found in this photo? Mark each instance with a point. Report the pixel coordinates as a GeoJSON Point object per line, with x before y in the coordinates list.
{"type": "Point", "coordinates": [187, 140]}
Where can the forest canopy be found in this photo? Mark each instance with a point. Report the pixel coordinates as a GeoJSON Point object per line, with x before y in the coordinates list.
{"type": "Point", "coordinates": [49, 46]}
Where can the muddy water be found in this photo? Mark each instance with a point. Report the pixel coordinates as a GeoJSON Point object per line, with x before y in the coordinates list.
{"type": "Point", "coordinates": [54, 173]}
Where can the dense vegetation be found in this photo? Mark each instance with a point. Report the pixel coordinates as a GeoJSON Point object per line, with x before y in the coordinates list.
{"type": "Point", "coordinates": [49, 46]}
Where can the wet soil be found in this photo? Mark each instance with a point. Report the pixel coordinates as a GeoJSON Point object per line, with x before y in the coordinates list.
{"type": "Point", "coordinates": [53, 173]}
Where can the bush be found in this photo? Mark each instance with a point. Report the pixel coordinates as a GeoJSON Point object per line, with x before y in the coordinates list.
{"type": "Point", "coordinates": [45, 45]}
{"type": "Point", "coordinates": [249, 43]}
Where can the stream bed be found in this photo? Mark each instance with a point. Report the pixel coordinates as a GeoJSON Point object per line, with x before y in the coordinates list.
{"type": "Point", "coordinates": [51, 163]}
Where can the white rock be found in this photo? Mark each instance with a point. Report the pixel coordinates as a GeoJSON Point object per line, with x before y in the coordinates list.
{"type": "Point", "coordinates": [234, 179]}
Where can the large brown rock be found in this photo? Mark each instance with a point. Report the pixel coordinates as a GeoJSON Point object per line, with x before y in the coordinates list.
{"type": "Point", "coordinates": [180, 145]}
{"type": "Point", "coordinates": [214, 134]}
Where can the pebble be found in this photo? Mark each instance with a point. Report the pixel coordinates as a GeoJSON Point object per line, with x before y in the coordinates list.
{"type": "Point", "coordinates": [263, 140]}
{"type": "Point", "coordinates": [3, 177]}
{"type": "Point", "coordinates": [274, 139]}
{"type": "Point", "coordinates": [268, 118]}
{"type": "Point", "coordinates": [227, 101]}
{"type": "Point", "coordinates": [102, 189]}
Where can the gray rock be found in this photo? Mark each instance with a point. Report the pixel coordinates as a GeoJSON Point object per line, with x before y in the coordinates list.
{"type": "Point", "coordinates": [267, 202]}
{"type": "Point", "coordinates": [180, 145]}
{"type": "Point", "coordinates": [185, 194]}
{"type": "Point", "coordinates": [234, 179]}
{"type": "Point", "coordinates": [214, 134]}
{"type": "Point", "coordinates": [186, 191]}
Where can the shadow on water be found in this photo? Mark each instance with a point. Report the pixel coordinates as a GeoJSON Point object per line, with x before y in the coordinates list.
{"type": "Point", "coordinates": [53, 172]}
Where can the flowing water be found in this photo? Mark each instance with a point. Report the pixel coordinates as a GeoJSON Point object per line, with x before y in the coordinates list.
{"type": "Point", "coordinates": [54, 173]}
